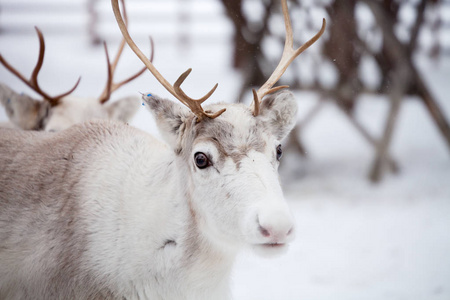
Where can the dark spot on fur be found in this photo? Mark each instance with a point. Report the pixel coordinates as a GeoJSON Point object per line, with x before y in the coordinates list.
{"type": "Point", "coordinates": [167, 243]}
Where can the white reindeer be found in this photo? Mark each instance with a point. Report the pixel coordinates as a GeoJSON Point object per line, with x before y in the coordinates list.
{"type": "Point", "coordinates": [56, 113]}
{"type": "Point", "coordinates": [105, 211]}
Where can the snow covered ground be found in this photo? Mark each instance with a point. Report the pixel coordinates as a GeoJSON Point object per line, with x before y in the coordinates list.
{"type": "Point", "coordinates": [355, 240]}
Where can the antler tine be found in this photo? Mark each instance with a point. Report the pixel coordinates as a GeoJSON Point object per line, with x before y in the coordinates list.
{"type": "Point", "coordinates": [33, 82]}
{"type": "Point", "coordinates": [122, 42]}
{"type": "Point", "coordinates": [110, 85]}
{"type": "Point", "coordinates": [178, 89]}
{"type": "Point", "coordinates": [175, 90]}
{"type": "Point", "coordinates": [195, 104]}
{"type": "Point", "coordinates": [106, 94]}
{"type": "Point", "coordinates": [37, 68]}
{"type": "Point", "coordinates": [57, 98]}
{"type": "Point", "coordinates": [289, 54]}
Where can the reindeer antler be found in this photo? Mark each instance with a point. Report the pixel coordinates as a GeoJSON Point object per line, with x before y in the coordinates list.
{"type": "Point", "coordinates": [193, 104]}
{"type": "Point", "coordinates": [32, 82]}
{"type": "Point", "coordinates": [289, 54]}
{"type": "Point", "coordinates": [110, 85]}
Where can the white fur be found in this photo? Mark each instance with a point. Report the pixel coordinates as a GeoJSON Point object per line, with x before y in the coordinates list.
{"type": "Point", "coordinates": [134, 217]}
{"type": "Point", "coordinates": [30, 114]}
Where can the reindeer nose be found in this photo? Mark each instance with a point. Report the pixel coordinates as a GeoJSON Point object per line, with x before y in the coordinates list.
{"type": "Point", "coordinates": [277, 227]}
{"type": "Point", "coordinates": [268, 232]}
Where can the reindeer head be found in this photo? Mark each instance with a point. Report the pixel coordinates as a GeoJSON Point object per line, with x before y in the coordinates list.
{"type": "Point", "coordinates": [56, 113]}
{"type": "Point", "coordinates": [231, 165]}
{"type": "Point", "coordinates": [28, 113]}
{"type": "Point", "coordinates": [229, 154]}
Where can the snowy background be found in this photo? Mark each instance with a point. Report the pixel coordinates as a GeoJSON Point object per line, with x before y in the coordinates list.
{"type": "Point", "coordinates": [355, 240]}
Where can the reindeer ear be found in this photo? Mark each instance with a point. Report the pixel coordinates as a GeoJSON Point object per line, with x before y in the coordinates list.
{"type": "Point", "coordinates": [279, 111]}
{"type": "Point", "coordinates": [123, 109]}
{"type": "Point", "coordinates": [169, 116]}
{"type": "Point", "coordinates": [22, 110]}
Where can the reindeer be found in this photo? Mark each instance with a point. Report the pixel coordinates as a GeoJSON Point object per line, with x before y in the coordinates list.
{"type": "Point", "coordinates": [102, 210]}
{"type": "Point", "coordinates": [59, 112]}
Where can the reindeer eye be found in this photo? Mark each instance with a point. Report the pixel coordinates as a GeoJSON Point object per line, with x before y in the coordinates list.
{"type": "Point", "coordinates": [279, 152]}
{"type": "Point", "coordinates": [201, 160]}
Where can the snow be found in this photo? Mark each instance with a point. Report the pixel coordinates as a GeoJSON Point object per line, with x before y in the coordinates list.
{"type": "Point", "coordinates": [355, 240]}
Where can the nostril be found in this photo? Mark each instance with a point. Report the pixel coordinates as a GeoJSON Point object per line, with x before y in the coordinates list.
{"type": "Point", "coordinates": [276, 227]}
{"type": "Point", "coordinates": [264, 231]}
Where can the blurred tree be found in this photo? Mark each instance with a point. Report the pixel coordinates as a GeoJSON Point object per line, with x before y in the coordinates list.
{"type": "Point", "coordinates": [405, 78]}
{"type": "Point", "coordinates": [247, 41]}
{"type": "Point", "coordinates": [94, 36]}
{"type": "Point", "coordinates": [341, 49]}
{"type": "Point", "coordinates": [349, 39]}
